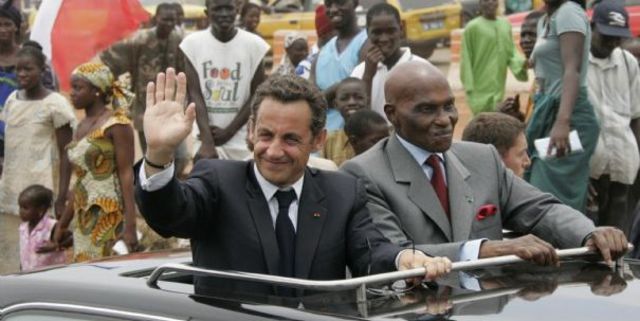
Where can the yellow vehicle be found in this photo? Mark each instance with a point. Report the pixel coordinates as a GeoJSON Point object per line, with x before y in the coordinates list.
{"type": "Point", "coordinates": [194, 16]}
{"type": "Point", "coordinates": [426, 22]}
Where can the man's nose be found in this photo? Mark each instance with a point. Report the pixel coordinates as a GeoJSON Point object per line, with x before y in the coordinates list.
{"type": "Point", "coordinates": [527, 161]}
{"type": "Point", "coordinates": [443, 118]}
{"type": "Point", "coordinates": [275, 148]}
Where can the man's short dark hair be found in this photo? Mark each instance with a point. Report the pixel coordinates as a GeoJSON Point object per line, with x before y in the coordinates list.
{"type": "Point", "coordinates": [362, 121]}
{"type": "Point", "coordinates": [497, 129]}
{"type": "Point", "coordinates": [383, 8]}
{"type": "Point", "coordinates": [178, 7]}
{"type": "Point", "coordinates": [247, 7]}
{"type": "Point", "coordinates": [291, 88]}
{"type": "Point", "coordinates": [165, 6]}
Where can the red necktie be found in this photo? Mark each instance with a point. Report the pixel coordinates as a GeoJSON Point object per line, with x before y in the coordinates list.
{"type": "Point", "coordinates": [437, 180]}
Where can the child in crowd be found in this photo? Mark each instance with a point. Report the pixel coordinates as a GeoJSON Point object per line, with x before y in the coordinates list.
{"type": "Point", "coordinates": [384, 28]}
{"type": "Point", "coordinates": [364, 129]}
{"type": "Point", "coordinates": [250, 17]}
{"type": "Point", "coordinates": [36, 246]}
{"type": "Point", "coordinates": [351, 96]}
{"type": "Point", "coordinates": [39, 125]}
{"type": "Point", "coordinates": [506, 134]}
{"type": "Point", "coordinates": [296, 49]}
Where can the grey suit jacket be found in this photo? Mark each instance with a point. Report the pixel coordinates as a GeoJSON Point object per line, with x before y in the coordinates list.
{"type": "Point", "coordinates": [406, 209]}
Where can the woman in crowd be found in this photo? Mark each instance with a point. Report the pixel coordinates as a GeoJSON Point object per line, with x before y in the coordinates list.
{"type": "Point", "coordinates": [39, 125]}
{"type": "Point", "coordinates": [296, 49]}
{"type": "Point", "coordinates": [102, 155]}
{"type": "Point", "coordinates": [10, 20]}
{"type": "Point", "coordinates": [560, 60]}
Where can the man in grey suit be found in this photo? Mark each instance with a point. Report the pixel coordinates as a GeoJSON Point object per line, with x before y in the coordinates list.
{"type": "Point", "coordinates": [273, 215]}
{"type": "Point", "coordinates": [454, 199]}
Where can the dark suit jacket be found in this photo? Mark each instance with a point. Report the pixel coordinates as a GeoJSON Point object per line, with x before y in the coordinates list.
{"type": "Point", "coordinates": [406, 209]}
{"type": "Point", "coordinates": [222, 209]}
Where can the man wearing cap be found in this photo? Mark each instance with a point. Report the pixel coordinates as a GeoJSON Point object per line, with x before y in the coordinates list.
{"type": "Point", "coordinates": [614, 89]}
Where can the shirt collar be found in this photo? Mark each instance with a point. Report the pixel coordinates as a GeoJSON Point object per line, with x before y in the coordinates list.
{"type": "Point", "coordinates": [269, 190]}
{"type": "Point", "coordinates": [42, 224]}
{"type": "Point", "coordinates": [604, 63]}
{"type": "Point", "coordinates": [419, 154]}
{"type": "Point", "coordinates": [406, 56]}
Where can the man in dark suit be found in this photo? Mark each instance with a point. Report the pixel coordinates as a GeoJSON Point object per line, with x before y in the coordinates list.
{"type": "Point", "coordinates": [273, 215]}
{"type": "Point", "coordinates": [454, 199]}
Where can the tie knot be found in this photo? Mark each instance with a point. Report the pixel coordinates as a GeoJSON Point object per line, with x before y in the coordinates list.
{"type": "Point", "coordinates": [285, 198]}
{"type": "Point", "coordinates": [433, 161]}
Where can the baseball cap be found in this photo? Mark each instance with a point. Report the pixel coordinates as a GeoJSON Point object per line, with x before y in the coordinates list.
{"type": "Point", "coordinates": [611, 19]}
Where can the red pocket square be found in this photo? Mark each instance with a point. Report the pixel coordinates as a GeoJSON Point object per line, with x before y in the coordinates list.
{"type": "Point", "coordinates": [485, 211]}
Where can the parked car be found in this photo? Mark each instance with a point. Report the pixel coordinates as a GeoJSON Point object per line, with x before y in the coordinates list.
{"type": "Point", "coordinates": [632, 6]}
{"type": "Point", "coordinates": [134, 288]}
{"type": "Point", "coordinates": [194, 16]}
{"type": "Point", "coordinates": [426, 22]}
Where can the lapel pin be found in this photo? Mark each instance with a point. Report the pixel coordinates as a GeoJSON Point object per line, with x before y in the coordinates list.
{"type": "Point", "coordinates": [316, 214]}
{"type": "Point", "coordinates": [469, 199]}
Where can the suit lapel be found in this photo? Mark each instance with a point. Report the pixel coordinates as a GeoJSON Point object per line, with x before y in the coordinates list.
{"type": "Point", "coordinates": [312, 215]}
{"type": "Point", "coordinates": [263, 222]}
{"type": "Point", "coordinates": [406, 170]}
{"type": "Point", "coordinates": [460, 197]}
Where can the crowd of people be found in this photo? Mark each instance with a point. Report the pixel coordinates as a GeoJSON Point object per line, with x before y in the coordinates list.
{"type": "Point", "coordinates": [341, 155]}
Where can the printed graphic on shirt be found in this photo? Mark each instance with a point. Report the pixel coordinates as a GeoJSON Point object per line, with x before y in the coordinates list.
{"type": "Point", "coordinates": [221, 85]}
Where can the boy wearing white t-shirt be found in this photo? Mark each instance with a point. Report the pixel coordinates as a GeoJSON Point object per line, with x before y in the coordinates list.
{"type": "Point", "coordinates": [384, 30]}
{"type": "Point", "coordinates": [225, 65]}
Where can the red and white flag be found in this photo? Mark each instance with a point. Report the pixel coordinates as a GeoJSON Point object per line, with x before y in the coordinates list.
{"type": "Point", "coordinates": [71, 32]}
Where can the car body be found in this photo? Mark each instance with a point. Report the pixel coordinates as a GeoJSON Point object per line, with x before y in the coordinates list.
{"type": "Point", "coordinates": [632, 6]}
{"type": "Point", "coordinates": [194, 15]}
{"type": "Point", "coordinates": [120, 289]}
{"type": "Point", "coordinates": [426, 22]}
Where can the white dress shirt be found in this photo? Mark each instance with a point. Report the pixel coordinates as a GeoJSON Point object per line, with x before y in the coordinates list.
{"type": "Point", "coordinates": [162, 178]}
{"type": "Point", "coordinates": [377, 84]}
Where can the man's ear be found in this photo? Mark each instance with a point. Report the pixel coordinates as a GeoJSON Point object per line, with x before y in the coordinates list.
{"type": "Point", "coordinates": [352, 138]}
{"type": "Point", "coordinates": [390, 111]}
{"type": "Point", "coordinates": [319, 140]}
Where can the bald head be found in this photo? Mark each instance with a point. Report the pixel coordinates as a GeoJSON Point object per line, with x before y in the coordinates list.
{"type": "Point", "coordinates": [413, 76]}
{"type": "Point", "coordinates": [420, 105]}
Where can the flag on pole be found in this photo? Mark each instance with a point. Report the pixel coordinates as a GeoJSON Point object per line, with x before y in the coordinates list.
{"type": "Point", "coordinates": [71, 32]}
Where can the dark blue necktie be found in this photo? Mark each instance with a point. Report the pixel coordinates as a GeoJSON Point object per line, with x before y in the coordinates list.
{"type": "Point", "coordinates": [285, 233]}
